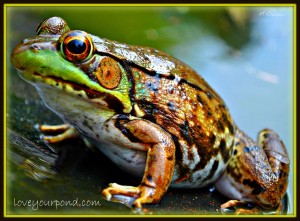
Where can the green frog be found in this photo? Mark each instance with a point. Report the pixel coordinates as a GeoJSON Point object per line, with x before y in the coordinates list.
{"type": "Point", "coordinates": [153, 116]}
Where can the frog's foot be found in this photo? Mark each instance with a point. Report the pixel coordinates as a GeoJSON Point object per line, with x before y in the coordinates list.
{"type": "Point", "coordinates": [243, 208]}
{"type": "Point", "coordinates": [253, 211]}
{"type": "Point", "coordinates": [129, 195]}
{"type": "Point", "coordinates": [239, 211]}
{"type": "Point", "coordinates": [65, 131]}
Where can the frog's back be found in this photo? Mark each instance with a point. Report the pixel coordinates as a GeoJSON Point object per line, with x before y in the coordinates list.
{"type": "Point", "coordinates": [151, 60]}
{"type": "Point", "coordinates": [169, 93]}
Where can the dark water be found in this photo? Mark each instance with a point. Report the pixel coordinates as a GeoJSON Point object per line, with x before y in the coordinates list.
{"type": "Point", "coordinates": [246, 54]}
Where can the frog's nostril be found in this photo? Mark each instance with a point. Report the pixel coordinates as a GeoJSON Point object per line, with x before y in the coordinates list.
{"type": "Point", "coordinates": [35, 47]}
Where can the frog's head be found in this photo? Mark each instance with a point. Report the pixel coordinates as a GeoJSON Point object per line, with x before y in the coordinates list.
{"type": "Point", "coordinates": [69, 61]}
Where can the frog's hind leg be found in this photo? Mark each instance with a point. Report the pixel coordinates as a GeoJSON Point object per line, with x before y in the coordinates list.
{"type": "Point", "coordinates": [256, 174]}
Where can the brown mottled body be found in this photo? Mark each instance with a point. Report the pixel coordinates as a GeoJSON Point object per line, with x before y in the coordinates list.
{"type": "Point", "coordinates": [195, 116]}
{"type": "Point", "coordinates": [152, 115]}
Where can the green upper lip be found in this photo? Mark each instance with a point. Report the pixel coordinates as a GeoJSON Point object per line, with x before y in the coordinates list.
{"type": "Point", "coordinates": [76, 87]}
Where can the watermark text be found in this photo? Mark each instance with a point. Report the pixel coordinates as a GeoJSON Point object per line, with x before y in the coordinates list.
{"type": "Point", "coordinates": [271, 12]}
{"type": "Point", "coordinates": [37, 204]}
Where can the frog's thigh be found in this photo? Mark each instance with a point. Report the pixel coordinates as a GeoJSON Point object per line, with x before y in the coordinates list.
{"type": "Point", "coordinates": [159, 164]}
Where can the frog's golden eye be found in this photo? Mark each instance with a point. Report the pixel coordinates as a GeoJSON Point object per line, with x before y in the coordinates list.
{"type": "Point", "coordinates": [109, 73]}
{"type": "Point", "coordinates": [77, 46]}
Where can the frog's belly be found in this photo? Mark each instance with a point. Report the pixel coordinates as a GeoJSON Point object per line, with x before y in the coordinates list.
{"type": "Point", "coordinates": [133, 162]}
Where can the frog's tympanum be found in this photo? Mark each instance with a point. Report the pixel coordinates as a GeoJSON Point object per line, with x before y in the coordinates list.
{"type": "Point", "coordinates": [152, 115]}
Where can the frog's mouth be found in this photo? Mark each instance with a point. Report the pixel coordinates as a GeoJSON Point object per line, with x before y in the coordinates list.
{"type": "Point", "coordinates": [71, 88]}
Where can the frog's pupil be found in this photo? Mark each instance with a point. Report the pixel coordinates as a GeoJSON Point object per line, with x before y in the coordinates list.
{"type": "Point", "coordinates": [76, 46]}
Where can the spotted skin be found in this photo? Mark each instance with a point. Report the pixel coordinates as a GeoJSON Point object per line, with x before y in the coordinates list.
{"type": "Point", "coordinates": [258, 172]}
{"type": "Point", "coordinates": [152, 115]}
{"type": "Point", "coordinates": [174, 105]}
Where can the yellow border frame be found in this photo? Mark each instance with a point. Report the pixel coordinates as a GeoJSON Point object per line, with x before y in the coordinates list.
{"type": "Point", "coordinates": [158, 5]}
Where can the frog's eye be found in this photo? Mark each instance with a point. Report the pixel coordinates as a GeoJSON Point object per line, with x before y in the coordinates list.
{"type": "Point", "coordinates": [77, 46]}
{"type": "Point", "coordinates": [109, 73]}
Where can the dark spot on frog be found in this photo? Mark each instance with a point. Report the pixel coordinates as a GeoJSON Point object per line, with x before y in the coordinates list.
{"type": "Point", "coordinates": [209, 95]}
{"type": "Point", "coordinates": [114, 103]}
{"type": "Point", "coordinates": [222, 106]}
{"type": "Point", "coordinates": [213, 170]}
{"type": "Point", "coordinates": [172, 106]}
{"type": "Point", "coordinates": [170, 158]}
{"type": "Point", "coordinates": [279, 174]}
{"type": "Point", "coordinates": [257, 189]}
{"type": "Point", "coordinates": [224, 152]}
{"type": "Point", "coordinates": [220, 126]}
{"type": "Point", "coordinates": [183, 169]}
{"type": "Point", "coordinates": [246, 149]}
{"type": "Point", "coordinates": [170, 89]}
{"type": "Point", "coordinates": [184, 81]}
{"type": "Point", "coordinates": [236, 176]}
{"type": "Point", "coordinates": [205, 156]}
{"type": "Point", "coordinates": [149, 109]}
{"type": "Point", "coordinates": [227, 123]}
{"type": "Point", "coordinates": [185, 132]}
{"type": "Point", "coordinates": [146, 58]}
{"type": "Point", "coordinates": [266, 135]}
{"type": "Point", "coordinates": [250, 149]}
{"type": "Point", "coordinates": [149, 178]}
{"type": "Point", "coordinates": [152, 86]}
{"type": "Point", "coordinates": [130, 78]}
{"type": "Point", "coordinates": [200, 100]}
{"type": "Point", "coordinates": [234, 152]}
{"type": "Point", "coordinates": [86, 124]}
{"type": "Point", "coordinates": [212, 139]}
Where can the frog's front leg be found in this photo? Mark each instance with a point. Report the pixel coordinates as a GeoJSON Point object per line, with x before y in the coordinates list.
{"type": "Point", "coordinates": [256, 174]}
{"type": "Point", "coordinates": [160, 161]}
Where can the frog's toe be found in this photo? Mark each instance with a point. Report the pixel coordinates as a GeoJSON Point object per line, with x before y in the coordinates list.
{"type": "Point", "coordinates": [64, 131]}
{"type": "Point", "coordinates": [240, 208]}
{"type": "Point", "coordinates": [133, 197]}
{"type": "Point", "coordinates": [253, 211]}
{"type": "Point", "coordinates": [230, 203]}
{"type": "Point", "coordinates": [53, 128]}
{"type": "Point", "coordinates": [121, 194]}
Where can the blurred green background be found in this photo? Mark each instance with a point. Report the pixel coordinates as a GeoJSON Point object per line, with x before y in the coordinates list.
{"type": "Point", "coordinates": [245, 54]}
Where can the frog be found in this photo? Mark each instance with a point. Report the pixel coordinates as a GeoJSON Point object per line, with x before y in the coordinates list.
{"type": "Point", "coordinates": [153, 116]}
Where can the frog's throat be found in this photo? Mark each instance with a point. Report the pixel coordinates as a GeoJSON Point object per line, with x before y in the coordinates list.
{"type": "Point", "coordinates": [83, 92]}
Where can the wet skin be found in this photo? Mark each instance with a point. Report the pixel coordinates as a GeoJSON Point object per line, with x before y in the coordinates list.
{"type": "Point", "coordinates": [152, 115]}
